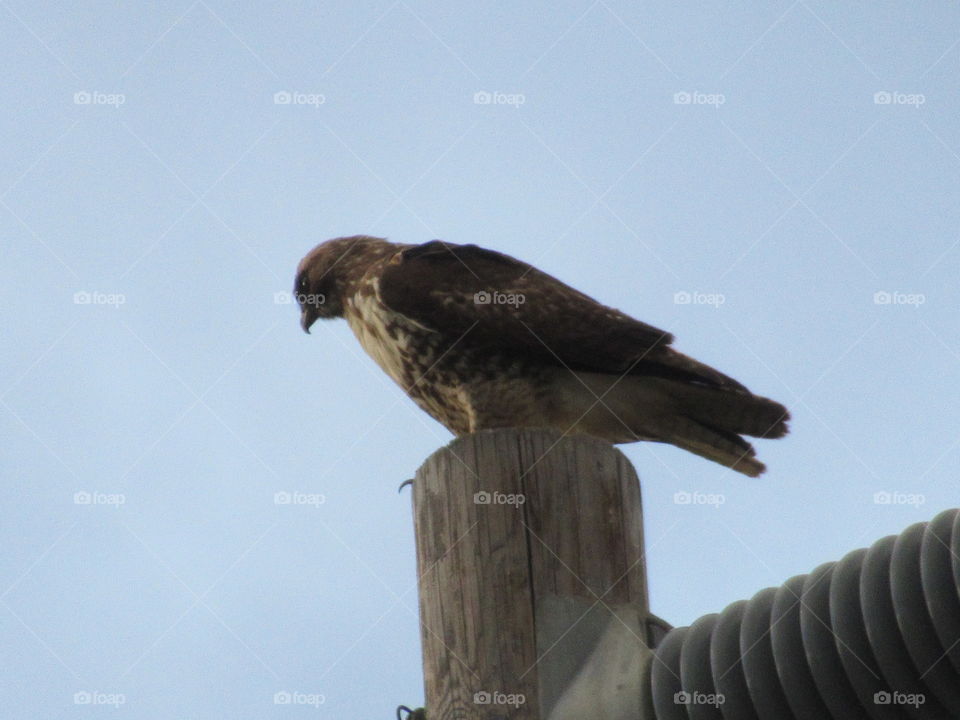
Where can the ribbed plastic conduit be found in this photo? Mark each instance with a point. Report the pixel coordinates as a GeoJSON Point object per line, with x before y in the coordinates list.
{"type": "Point", "coordinates": [875, 635]}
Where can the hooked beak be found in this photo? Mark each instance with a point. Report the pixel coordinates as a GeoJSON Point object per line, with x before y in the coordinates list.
{"type": "Point", "coordinates": [308, 316]}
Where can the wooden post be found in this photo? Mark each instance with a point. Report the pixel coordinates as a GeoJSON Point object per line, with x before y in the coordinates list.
{"type": "Point", "coordinates": [533, 596]}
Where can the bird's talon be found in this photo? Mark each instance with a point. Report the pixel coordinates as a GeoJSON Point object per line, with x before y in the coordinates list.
{"type": "Point", "coordinates": [418, 714]}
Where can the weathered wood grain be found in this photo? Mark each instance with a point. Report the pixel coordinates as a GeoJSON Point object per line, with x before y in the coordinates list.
{"type": "Point", "coordinates": [520, 585]}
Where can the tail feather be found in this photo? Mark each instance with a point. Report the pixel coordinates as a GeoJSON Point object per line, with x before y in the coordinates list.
{"type": "Point", "coordinates": [737, 412]}
{"type": "Point", "coordinates": [706, 420]}
{"type": "Point", "coordinates": [709, 422]}
{"type": "Point", "coordinates": [721, 446]}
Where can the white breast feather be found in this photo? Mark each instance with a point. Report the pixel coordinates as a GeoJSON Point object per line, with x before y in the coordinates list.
{"type": "Point", "coordinates": [369, 321]}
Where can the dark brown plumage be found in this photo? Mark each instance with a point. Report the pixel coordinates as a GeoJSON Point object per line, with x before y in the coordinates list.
{"type": "Point", "coordinates": [482, 340]}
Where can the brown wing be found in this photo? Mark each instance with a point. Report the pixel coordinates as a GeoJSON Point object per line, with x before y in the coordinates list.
{"type": "Point", "coordinates": [499, 304]}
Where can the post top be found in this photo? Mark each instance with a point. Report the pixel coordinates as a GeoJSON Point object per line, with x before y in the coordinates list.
{"type": "Point", "coordinates": [539, 440]}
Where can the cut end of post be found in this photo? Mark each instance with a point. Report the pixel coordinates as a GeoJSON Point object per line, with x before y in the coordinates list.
{"type": "Point", "coordinates": [533, 583]}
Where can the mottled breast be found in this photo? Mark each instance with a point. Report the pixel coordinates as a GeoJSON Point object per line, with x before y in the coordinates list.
{"type": "Point", "coordinates": [408, 352]}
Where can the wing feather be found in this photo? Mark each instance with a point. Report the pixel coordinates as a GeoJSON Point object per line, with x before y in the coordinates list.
{"type": "Point", "coordinates": [451, 288]}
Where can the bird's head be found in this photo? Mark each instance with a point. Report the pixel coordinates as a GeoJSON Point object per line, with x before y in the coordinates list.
{"type": "Point", "coordinates": [326, 274]}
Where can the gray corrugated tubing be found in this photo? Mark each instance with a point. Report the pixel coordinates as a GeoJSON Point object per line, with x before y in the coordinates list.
{"type": "Point", "coordinates": [875, 635]}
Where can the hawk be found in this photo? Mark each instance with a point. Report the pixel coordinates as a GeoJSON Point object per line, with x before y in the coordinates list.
{"type": "Point", "coordinates": [481, 340]}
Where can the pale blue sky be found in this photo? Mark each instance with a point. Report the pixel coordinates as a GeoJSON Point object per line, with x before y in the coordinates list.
{"type": "Point", "coordinates": [145, 161]}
